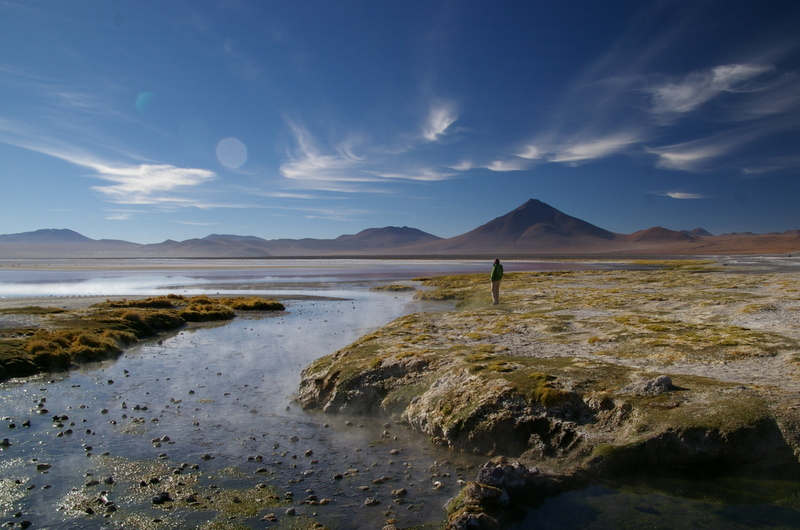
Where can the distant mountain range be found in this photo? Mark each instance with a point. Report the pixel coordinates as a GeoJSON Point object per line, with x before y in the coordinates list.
{"type": "Point", "coordinates": [533, 229]}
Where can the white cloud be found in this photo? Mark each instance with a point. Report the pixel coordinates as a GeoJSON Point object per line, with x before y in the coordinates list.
{"type": "Point", "coordinates": [593, 149]}
{"type": "Point", "coordinates": [507, 165]}
{"type": "Point", "coordinates": [131, 183]}
{"type": "Point", "coordinates": [307, 163]}
{"type": "Point", "coordinates": [531, 152]}
{"type": "Point", "coordinates": [684, 195]}
{"type": "Point", "coordinates": [428, 174]}
{"type": "Point", "coordinates": [148, 183]}
{"type": "Point", "coordinates": [440, 118]}
{"type": "Point", "coordinates": [118, 217]}
{"type": "Point", "coordinates": [464, 165]}
{"type": "Point", "coordinates": [329, 171]}
{"type": "Point", "coordinates": [687, 156]}
{"type": "Point", "coordinates": [692, 91]}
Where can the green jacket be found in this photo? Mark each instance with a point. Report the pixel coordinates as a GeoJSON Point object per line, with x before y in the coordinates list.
{"type": "Point", "coordinates": [497, 272]}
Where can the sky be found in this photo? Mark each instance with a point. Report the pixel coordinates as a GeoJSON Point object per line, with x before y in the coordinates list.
{"type": "Point", "coordinates": [154, 120]}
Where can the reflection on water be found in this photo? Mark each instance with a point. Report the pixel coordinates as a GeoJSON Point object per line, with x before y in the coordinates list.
{"type": "Point", "coordinates": [673, 503]}
{"type": "Point", "coordinates": [152, 277]}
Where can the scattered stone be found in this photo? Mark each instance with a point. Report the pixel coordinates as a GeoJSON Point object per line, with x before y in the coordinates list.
{"type": "Point", "coordinates": [162, 497]}
{"type": "Point", "coordinates": [372, 501]}
{"type": "Point", "coordinates": [652, 387]}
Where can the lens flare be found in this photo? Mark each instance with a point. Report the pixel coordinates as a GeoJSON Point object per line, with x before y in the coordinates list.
{"type": "Point", "coordinates": [231, 152]}
{"type": "Point", "coordinates": [143, 101]}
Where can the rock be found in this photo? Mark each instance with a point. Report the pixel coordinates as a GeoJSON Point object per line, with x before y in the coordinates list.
{"type": "Point", "coordinates": [161, 498]}
{"type": "Point", "coordinates": [372, 501]}
{"type": "Point", "coordinates": [499, 474]}
{"type": "Point", "coordinates": [650, 387]}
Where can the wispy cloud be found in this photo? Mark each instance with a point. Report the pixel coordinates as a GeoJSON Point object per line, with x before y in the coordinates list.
{"type": "Point", "coordinates": [687, 156]}
{"type": "Point", "coordinates": [572, 151]}
{"type": "Point", "coordinates": [508, 165]}
{"type": "Point", "coordinates": [440, 117]}
{"type": "Point", "coordinates": [196, 223]}
{"type": "Point", "coordinates": [703, 153]}
{"type": "Point", "coordinates": [683, 195]}
{"type": "Point", "coordinates": [425, 173]}
{"type": "Point", "coordinates": [148, 183]}
{"type": "Point", "coordinates": [308, 163]}
{"type": "Point", "coordinates": [531, 152]}
{"type": "Point", "coordinates": [695, 89]}
{"type": "Point", "coordinates": [464, 165]}
{"type": "Point", "coordinates": [122, 216]}
{"type": "Point", "coordinates": [594, 148]}
{"type": "Point", "coordinates": [130, 183]}
{"type": "Point", "coordinates": [344, 163]}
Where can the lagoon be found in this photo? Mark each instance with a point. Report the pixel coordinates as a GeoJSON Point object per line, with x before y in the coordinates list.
{"type": "Point", "coordinates": [207, 413]}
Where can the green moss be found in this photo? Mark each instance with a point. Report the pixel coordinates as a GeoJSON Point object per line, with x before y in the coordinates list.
{"type": "Point", "coordinates": [394, 288]}
{"type": "Point", "coordinates": [106, 328]}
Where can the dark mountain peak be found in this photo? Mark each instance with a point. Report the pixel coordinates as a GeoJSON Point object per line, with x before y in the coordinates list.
{"type": "Point", "coordinates": [698, 232]}
{"type": "Point", "coordinates": [230, 237]}
{"type": "Point", "coordinates": [47, 235]}
{"type": "Point", "coordinates": [388, 236]}
{"type": "Point", "coordinates": [659, 234]}
{"type": "Point", "coordinates": [535, 218]}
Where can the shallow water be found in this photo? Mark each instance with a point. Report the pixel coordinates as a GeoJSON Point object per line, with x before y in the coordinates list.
{"type": "Point", "coordinates": [225, 392]}
{"type": "Point", "coordinates": [223, 396]}
{"type": "Point", "coordinates": [659, 502]}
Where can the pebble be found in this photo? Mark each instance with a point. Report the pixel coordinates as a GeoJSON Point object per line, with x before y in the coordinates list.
{"type": "Point", "coordinates": [161, 498]}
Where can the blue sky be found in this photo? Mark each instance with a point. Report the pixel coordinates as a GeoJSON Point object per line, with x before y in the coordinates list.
{"type": "Point", "coordinates": [155, 120]}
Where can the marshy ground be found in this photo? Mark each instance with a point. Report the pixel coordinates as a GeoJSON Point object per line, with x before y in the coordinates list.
{"type": "Point", "coordinates": [687, 364]}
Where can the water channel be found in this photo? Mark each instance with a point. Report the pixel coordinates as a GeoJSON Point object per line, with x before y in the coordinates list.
{"type": "Point", "coordinates": [207, 415]}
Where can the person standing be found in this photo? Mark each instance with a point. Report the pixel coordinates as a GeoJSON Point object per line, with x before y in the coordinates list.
{"type": "Point", "coordinates": [497, 275]}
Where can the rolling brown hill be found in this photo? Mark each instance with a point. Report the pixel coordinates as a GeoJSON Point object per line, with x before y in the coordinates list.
{"type": "Point", "coordinates": [533, 229]}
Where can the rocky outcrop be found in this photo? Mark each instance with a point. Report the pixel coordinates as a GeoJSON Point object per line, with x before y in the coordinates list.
{"type": "Point", "coordinates": [521, 412]}
{"type": "Point", "coordinates": [615, 390]}
{"type": "Point", "coordinates": [501, 490]}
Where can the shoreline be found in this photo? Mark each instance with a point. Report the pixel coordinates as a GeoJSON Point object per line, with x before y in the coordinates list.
{"type": "Point", "coordinates": [580, 375]}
